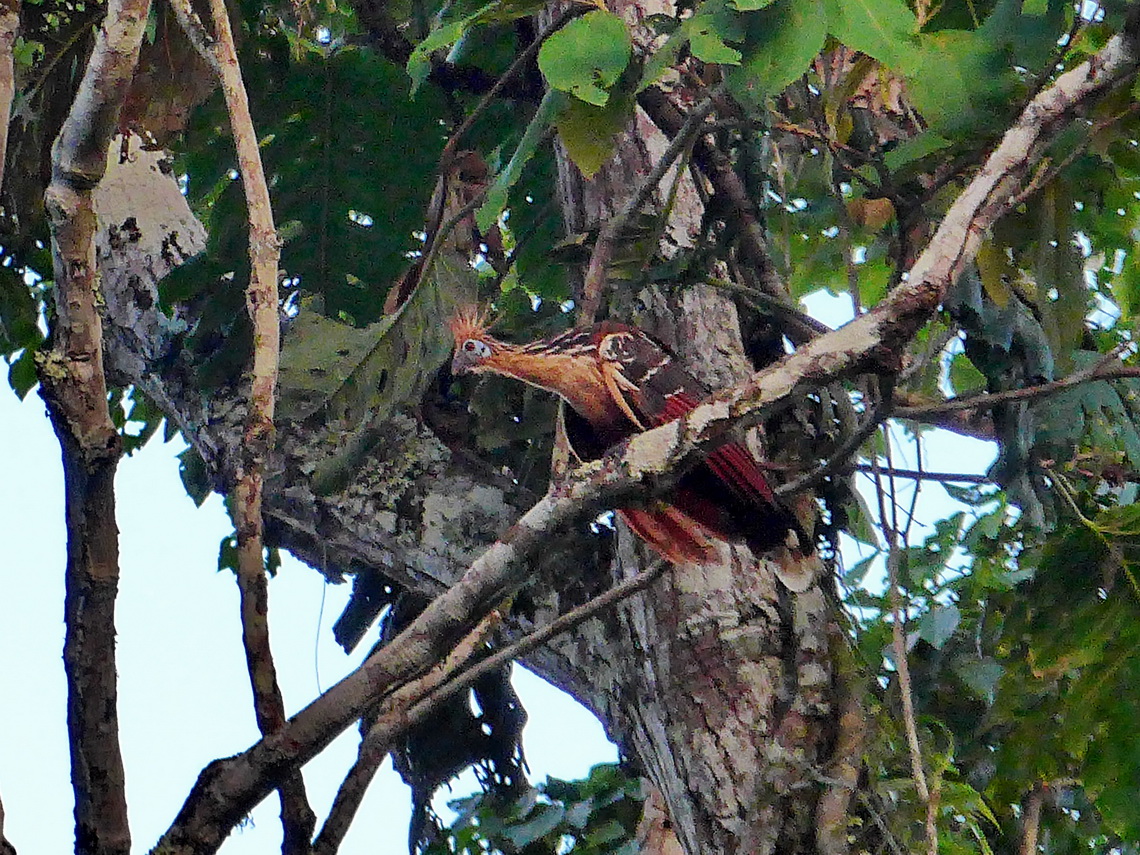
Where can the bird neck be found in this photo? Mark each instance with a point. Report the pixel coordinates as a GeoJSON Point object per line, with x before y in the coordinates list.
{"type": "Point", "coordinates": [574, 377]}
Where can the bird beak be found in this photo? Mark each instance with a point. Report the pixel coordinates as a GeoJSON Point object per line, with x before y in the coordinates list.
{"type": "Point", "coordinates": [462, 363]}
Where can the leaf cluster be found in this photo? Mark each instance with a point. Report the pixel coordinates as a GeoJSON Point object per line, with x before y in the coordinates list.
{"type": "Point", "coordinates": [597, 815]}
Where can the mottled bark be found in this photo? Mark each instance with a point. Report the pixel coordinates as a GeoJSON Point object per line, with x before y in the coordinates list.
{"type": "Point", "coordinates": [74, 387]}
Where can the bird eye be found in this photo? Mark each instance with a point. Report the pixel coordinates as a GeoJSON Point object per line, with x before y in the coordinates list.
{"type": "Point", "coordinates": [479, 348]}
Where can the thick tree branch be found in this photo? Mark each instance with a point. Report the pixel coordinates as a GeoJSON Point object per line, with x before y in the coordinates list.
{"type": "Point", "coordinates": [74, 386]}
{"type": "Point", "coordinates": [229, 788]}
{"type": "Point", "coordinates": [401, 710]}
{"type": "Point", "coordinates": [415, 701]}
{"type": "Point", "coordinates": [220, 53]}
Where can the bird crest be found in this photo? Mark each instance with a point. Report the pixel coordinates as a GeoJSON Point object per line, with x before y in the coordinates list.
{"type": "Point", "coordinates": [470, 322]}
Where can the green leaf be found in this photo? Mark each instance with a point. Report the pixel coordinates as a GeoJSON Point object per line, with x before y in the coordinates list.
{"type": "Point", "coordinates": [544, 820]}
{"type": "Point", "coordinates": [663, 58]}
{"type": "Point", "coordinates": [914, 149]}
{"type": "Point", "coordinates": [855, 574]}
{"type": "Point", "coordinates": [445, 35]}
{"type": "Point", "coordinates": [980, 676]}
{"type": "Point", "coordinates": [750, 5]}
{"type": "Point", "coordinates": [781, 41]}
{"type": "Point", "coordinates": [587, 130]}
{"type": "Point", "coordinates": [18, 312]}
{"type": "Point", "coordinates": [708, 30]}
{"type": "Point", "coordinates": [228, 553]}
{"type": "Point", "coordinates": [361, 376]}
{"type": "Point", "coordinates": [883, 29]}
{"type": "Point", "coordinates": [195, 477]}
{"type": "Point", "coordinates": [587, 56]}
{"type": "Point", "coordinates": [937, 626]}
{"type": "Point", "coordinates": [550, 106]}
{"type": "Point", "coordinates": [964, 375]}
{"type": "Point", "coordinates": [22, 373]}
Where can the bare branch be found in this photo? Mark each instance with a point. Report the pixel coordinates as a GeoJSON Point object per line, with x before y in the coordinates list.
{"type": "Point", "coordinates": [1031, 820]}
{"type": "Point", "coordinates": [229, 788]}
{"type": "Point", "coordinates": [297, 817]}
{"type": "Point", "coordinates": [917, 475]}
{"type": "Point", "coordinates": [395, 716]}
{"type": "Point", "coordinates": [1109, 368]}
{"type": "Point", "coordinates": [404, 708]}
{"type": "Point", "coordinates": [74, 387]}
{"type": "Point", "coordinates": [598, 269]}
{"type": "Point", "coordinates": [727, 184]}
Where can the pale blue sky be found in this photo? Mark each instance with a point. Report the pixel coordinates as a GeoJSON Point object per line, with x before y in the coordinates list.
{"type": "Point", "coordinates": [184, 694]}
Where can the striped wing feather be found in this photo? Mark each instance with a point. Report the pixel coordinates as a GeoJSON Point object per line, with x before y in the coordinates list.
{"type": "Point", "coordinates": [657, 390]}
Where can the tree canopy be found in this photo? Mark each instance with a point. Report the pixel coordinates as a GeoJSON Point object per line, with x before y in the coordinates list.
{"type": "Point", "coordinates": [255, 238]}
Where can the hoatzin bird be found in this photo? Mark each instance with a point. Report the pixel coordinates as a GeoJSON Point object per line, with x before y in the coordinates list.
{"type": "Point", "coordinates": [617, 382]}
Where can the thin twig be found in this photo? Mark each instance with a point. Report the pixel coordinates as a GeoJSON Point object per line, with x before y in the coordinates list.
{"type": "Point", "coordinates": [765, 303]}
{"type": "Point", "coordinates": [598, 269]}
{"type": "Point", "coordinates": [898, 646]}
{"type": "Point", "coordinates": [734, 197]}
{"type": "Point", "coordinates": [838, 460]}
{"type": "Point", "coordinates": [513, 70]}
{"type": "Point", "coordinates": [923, 475]}
{"type": "Point", "coordinates": [1108, 368]}
{"type": "Point", "coordinates": [262, 301]}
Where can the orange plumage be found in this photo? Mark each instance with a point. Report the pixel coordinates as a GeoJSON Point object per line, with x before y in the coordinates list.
{"type": "Point", "coordinates": [617, 382]}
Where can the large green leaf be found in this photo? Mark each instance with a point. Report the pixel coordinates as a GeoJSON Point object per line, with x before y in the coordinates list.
{"type": "Point", "coordinates": [346, 152]}
{"type": "Point", "coordinates": [588, 131]}
{"type": "Point", "coordinates": [883, 29]}
{"type": "Point", "coordinates": [780, 43]}
{"type": "Point", "coordinates": [552, 103]}
{"type": "Point", "coordinates": [587, 56]}
{"type": "Point", "coordinates": [361, 376]}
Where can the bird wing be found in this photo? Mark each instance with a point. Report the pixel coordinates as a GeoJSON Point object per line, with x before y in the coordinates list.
{"type": "Point", "coordinates": [651, 389]}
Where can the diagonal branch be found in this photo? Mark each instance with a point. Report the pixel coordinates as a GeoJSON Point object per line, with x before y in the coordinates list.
{"type": "Point", "coordinates": [1109, 368]}
{"type": "Point", "coordinates": [404, 709]}
{"type": "Point", "coordinates": [598, 269]}
{"type": "Point", "coordinates": [297, 817]}
{"type": "Point", "coordinates": [227, 789]}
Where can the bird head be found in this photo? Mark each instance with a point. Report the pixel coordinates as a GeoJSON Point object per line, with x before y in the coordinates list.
{"type": "Point", "coordinates": [475, 347]}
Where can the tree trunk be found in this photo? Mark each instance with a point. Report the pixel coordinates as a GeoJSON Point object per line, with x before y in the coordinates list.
{"type": "Point", "coordinates": [719, 680]}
